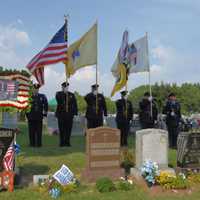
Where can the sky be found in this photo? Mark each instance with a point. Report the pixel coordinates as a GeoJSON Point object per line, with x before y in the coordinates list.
{"type": "Point", "coordinates": [172, 26]}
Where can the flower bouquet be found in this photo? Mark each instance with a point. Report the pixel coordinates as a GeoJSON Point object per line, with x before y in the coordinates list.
{"type": "Point", "coordinates": [149, 171]}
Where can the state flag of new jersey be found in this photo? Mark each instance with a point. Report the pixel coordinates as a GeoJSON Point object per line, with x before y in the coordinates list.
{"type": "Point", "coordinates": [83, 52]}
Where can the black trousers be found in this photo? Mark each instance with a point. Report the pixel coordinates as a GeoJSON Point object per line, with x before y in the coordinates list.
{"type": "Point", "coordinates": [65, 129]}
{"type": "Point", "coordinates": [173, 135]}
{"type": "Point", "coordinates": [35, 132]}
{"type": "Point", "coordinates": [124, 127]}
{"type": "Point", "coordinates": [94, 123]}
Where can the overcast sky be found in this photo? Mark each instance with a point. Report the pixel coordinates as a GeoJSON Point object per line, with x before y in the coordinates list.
{"type": "Point", "coordinates": [172, 25]}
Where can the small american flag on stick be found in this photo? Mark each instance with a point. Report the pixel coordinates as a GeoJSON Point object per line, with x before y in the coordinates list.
{"type": "Point", "coordinates": [8, 160]}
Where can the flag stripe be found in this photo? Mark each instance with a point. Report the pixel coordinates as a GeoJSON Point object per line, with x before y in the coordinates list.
{"type": "Point", "coordinates": [8, 160]}
{"type": "Point", "coordinates": [53, 53]}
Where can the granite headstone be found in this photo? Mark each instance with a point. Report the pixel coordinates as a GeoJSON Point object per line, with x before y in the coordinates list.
{"type": "Point", "coordinates": [102, 154]}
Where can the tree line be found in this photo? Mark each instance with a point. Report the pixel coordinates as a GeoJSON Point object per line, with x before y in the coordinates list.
{"type": "Point", "coordinates": [188, 94]}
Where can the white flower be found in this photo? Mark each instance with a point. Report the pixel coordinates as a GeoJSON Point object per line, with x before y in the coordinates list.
{"type": "Point", "coordinates": [130, 181]}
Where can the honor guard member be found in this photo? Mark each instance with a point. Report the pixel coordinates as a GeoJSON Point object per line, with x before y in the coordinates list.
{"type": "Point", "coordinates": [39, 109]}
{"type": "Point", "coordinates": [124, 116]}
{"type": "Point", "coordinates": [146, 116]}
{"type": "Point", "coordinates": [94, 115]}
{"type": "Point", "coordinates": [66, 109]}
{"type": "Point", "coordinates": [172, 109]}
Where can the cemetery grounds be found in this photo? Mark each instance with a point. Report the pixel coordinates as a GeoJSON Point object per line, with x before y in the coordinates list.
{"type": "Point", "coordinates": [50, 157]}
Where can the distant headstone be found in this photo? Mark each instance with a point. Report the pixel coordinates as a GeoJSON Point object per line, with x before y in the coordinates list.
{"type": "Point", "coordinates": [102, 154]}
{"type": "Point", "coordinates": [6, 137]}
{"type": "Point", "coordinates": [152, 144]}
{"type": "Point", "coordinates": [111, 122]}
{"type": "Point", "coordinates": [52, 123]}
{"type": "Point", "coordinates": [77, 129]}
{"type": "Point", "coordinates": [9, 120]}
{"type": "Point", "coordinates": [79, 125]}
{"type": "Point", "coordinates": [188, 150]}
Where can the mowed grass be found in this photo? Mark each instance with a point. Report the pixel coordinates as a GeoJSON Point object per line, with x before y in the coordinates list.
{"type": "Point", "coordinates": [50, 157]}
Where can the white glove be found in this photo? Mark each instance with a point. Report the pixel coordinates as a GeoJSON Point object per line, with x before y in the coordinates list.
{"type": "Point", "coordinates": [172, 113]}
{"type": "Point", "coordinates": [150, 98]}
{"type": "Point", "coordinates": [105, 121]}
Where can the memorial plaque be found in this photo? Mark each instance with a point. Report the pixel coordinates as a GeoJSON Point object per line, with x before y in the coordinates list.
{"type": "Point", "coordinates": [6, 137]}
{"type": "Point", "coordinates": [102, 153]}
{"type": "Point", "coordinates": [9, 120]}
{"type": "Point", "coordinates": [152, 144]}
{"type": "Point", "coordinates": [188, 150]}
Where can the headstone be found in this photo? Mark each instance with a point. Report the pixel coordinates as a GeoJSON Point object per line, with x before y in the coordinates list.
{"type": "Point", "coordinates": [152, 144]}
{"type": "Point", "coordinates": [77, 129]}
{"type": "Point", "coordinates": [9, 120]}
{"type": "Point", "coordinates": [102, 154]}
{"type": "Point", "coordinates": [52, 123]}
{"type": "Point", "coordinates": [188, 150]}
{"type": "Point", "coordinates": [79, 125]}
{"type": "Point", "coordinates": [39, 178]}
{"type": "Point", "coordinates": [6, 137]}
{"type": "Point", "coordinates": [111, 121]}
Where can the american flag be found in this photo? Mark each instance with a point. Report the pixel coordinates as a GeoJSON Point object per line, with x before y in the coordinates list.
{"type": "Point", "coordinates": [8, 160]}
{"type": "Point", "coordinates": [11, 86]}
{"type": "Point", "coordinates": [53, 53]}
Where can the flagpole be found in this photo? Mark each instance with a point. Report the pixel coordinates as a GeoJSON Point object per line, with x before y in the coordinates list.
{"type": "Point", "coordinates": [97, 74]}
{"type": "Point", "coordinates": [66, 39]}
{"type": "Point", "coordinates": [126, 89]}
{"type": "Point", "coordinates": [149, 76]}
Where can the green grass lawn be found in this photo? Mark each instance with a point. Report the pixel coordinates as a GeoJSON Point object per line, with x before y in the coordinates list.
{"type": "Point", "coordinates": [50, 157]}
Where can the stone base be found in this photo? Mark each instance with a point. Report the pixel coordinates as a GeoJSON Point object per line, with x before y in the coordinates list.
{"type": "Point", "coordinates": [168, 170]}
{"type": "Point", "coordinates": [91, 176]}
{"type": "Point", "coordinates": [17, 179]}
{"type": "Point", "coordinates": [137, 174]}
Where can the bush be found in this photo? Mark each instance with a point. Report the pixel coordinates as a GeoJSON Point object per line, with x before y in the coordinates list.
{"type": "Point", "coordinates": [127, 160]}
{"type": "Point", "coordinates": [104, 184]}
{"type": "Point", "coordinates": [194, 178]}
{"type": "Point", "coordinates": [124, 186]}
{"type": "Point", "coordinates": [170, 181]}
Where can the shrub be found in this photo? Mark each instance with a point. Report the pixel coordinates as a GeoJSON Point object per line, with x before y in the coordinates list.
{"type": "Point", "coordinates": [170, 181]}
{"type": "Point", "coordinates": [127, 160]}
{"type": "Point", "coordinates": [124, 186]}
{"type": "Point", "coordinates": [194, 178]}
{"type": "Point", "coordinates": [104, 184]}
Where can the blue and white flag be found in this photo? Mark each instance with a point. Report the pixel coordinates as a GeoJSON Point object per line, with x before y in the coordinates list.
{"type": "Point", "coordinates": [138, 58]}
{"type": "Point", "coordinates": [64, 175]}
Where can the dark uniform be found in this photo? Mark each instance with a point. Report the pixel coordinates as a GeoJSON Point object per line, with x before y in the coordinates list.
{"type": "Point", "coordinates": [65, 113]}
{"type": "Point", "coordinates": [123, 117]}
{"type": "Point", "coordinates": [146, 119]}
{"type": "Point", "coordinates": [95, 117]}
{"type": "Point", "coordinates": [173, 111]}
{"type": "Point", "coordinates": [39, 109]}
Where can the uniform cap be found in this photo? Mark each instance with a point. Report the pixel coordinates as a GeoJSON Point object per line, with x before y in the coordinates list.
{"type": "Point", "coordinates": [95, 86]}
{"type": "Point", "coordinates": [36, 86]}
{"type": "Point", "coordinates": [64, 84]}
{"type": "Point", "coordinates": [124, 93]}
{"type": "Point", "coordinates": [146, 94]}
{"type": "Point", "coordinates": [171, 94]}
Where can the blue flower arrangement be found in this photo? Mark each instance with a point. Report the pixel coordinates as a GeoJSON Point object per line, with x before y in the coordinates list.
{"type": "Point", "coordinates": [17, 148]}
{"type": "Point", "coordinates": [54, 193]}
{"type": "Point", "coordinates": [149, 171]}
